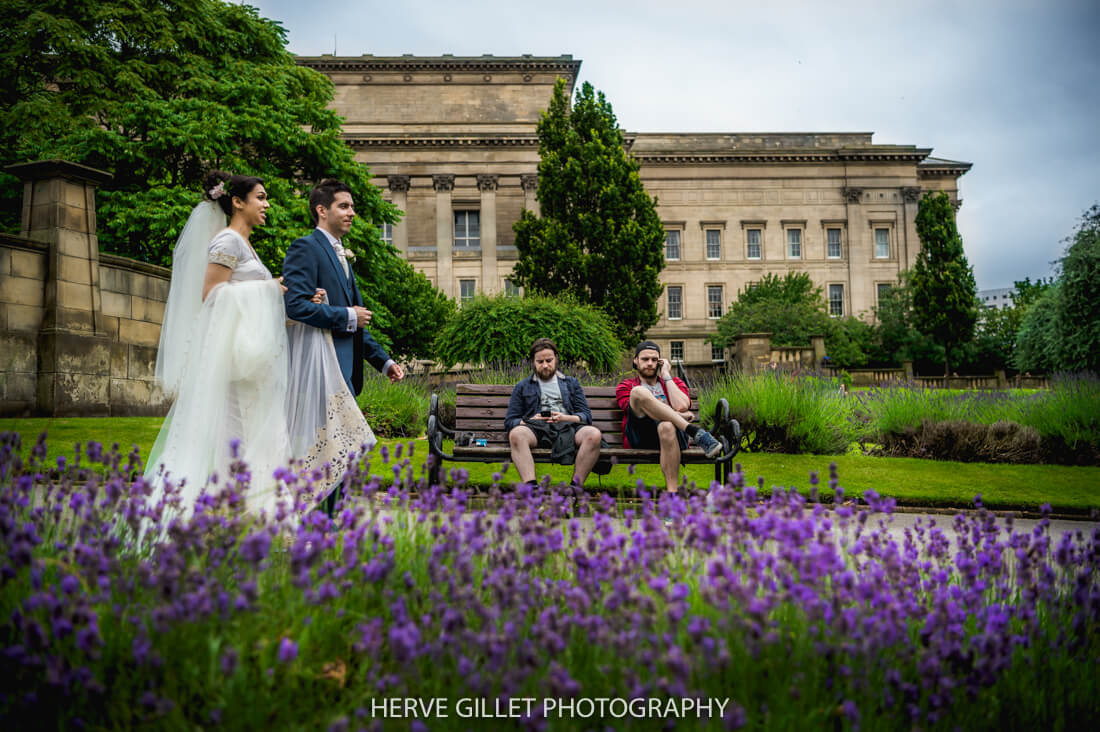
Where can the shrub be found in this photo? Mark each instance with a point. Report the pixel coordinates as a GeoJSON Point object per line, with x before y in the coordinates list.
{"type": "Point", "coordinates": [500, 330]}
{"type": "Point", "coordinates": [780, 413]}
{"type": "Point", "coordinates": [1065, 419]}
{"type": "Point", "coordinates": [394, 409]}
{"type": "Point", "coordinates": [956, 439]}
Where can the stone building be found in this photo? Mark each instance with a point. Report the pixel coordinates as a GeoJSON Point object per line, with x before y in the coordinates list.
{"type": "Point", "coordinates": [452, 140]}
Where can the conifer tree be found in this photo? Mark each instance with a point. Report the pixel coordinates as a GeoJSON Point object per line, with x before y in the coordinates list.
{"type": "Point", "coordinates": [598, 237]}
{"type": "Point", "coordinates": [945, 303]}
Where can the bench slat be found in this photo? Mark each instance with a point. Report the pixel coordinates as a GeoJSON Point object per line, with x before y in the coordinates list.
{"type": "Point", "coordinates": [506, 390]}
{"type": "Point", "coordinates": [691, 455]}
{"type": "Point", "coordinates": [498, 413]}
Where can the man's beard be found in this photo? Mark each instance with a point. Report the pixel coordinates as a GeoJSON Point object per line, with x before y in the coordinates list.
{"type": "Point", "coordinates": [647, 372]}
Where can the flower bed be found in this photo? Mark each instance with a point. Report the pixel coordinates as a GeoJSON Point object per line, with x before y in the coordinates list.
{"type": "Point", "coordinates": [808, 414]}
{"type": "Point", "coordinates": [1057, 425]}
{"type": "Point", "coordinates": [787, 613]}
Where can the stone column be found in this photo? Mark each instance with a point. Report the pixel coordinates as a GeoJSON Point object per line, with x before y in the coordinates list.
{"type": "Point", "coordinates": [74, 354]}
{"type": "Point", "coordinates": [859, 253]}
{"type": "Point", "coordinates": [487, 184]}
{"type": "Point", "coordinates": [907, 238]}
{"type": "Point", "coordinates": [752, 351]}
{"type": "Point", "coordinates": [444, 233]}
{"type": "Point", "coordinates": [530, 183]}
{"type": "Point", "coordinates": [399, 187]}
{"type": "Point", "coordinates": [817, 344]}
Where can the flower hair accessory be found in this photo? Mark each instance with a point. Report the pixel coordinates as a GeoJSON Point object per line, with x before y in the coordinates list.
{"type": "Point", "coordinates": [217, 191]}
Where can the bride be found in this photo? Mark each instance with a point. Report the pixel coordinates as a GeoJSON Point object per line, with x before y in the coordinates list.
{"type": "Point", "coordinates": [248, 385]}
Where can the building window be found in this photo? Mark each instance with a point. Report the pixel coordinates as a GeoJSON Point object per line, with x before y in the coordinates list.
{"type": "Point", "coordinates": [387, 233]}
{"type": "Point", "coordinates": [714, 243]}
{"type": "Point", "coordinates": [836, 300]}
{"type": "Point", "coordinates": [794, 243]}
{"type": "Point", "coordinates": [717, 352]}
{"type": "Point", "coordinates": [714, 301]}
{"type": "Point", "coordinates": [675, 302]}
{"type": "Point", "coordinates": [467, 229]}
{"type": "Point", "coordinates": [883, 291]}
{"type": "Point", "coordinates": [832, 243]}
{"type": "Point", "coordinates": [676, 350]}
{"type": "Point", "coordinates": [466, 290]}
{"type": "Point", "coordinates": [511, 289]}
{"type": "Point", "coordinates": [672, 244]}
{"type": "Point", "coordinates": [882, 243]}
{"type": "Point", "coordinates": [752, 243]}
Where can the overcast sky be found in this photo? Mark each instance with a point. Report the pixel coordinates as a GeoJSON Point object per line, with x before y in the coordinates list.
{"type": "Point", "coordinates": [1012, 86]}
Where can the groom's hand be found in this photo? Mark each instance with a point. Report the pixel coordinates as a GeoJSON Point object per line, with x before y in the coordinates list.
{"type": "Point", "coordinates": [395, 373]}
{"type": "Point", "coordinates": [362, 316]}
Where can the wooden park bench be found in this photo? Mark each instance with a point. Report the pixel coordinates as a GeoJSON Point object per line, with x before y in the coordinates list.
{"type": "Point", "coordinates": [479, 416]}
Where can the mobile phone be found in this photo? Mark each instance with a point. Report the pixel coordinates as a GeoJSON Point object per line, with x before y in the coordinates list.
{"type": "Point", "coordinates": [545, 413]}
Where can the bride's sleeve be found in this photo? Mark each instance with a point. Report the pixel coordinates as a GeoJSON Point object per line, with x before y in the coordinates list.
{"type": "Point", "coordinates": [225, 249]}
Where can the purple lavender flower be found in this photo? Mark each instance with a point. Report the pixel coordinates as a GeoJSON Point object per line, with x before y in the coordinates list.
{"type": "Point", "coordinates": [254, 547]}
{"type": "Point", "coordinates": [288, 650]}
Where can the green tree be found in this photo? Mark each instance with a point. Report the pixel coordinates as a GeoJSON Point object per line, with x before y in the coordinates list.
{"type": "Point", "coordinates": [945, 301]}
{"type": "Point", "coordinates": [1025, 293]}
{"type": "Point", "coordinates": [500, 330]}
{"type": "Point", "coordinates": [159, 92]}
{"type": "Point", "coordinates": [1061, 328]}
{"type": "Point", "coordinates": [994, 341]}
{"type": "Point", "coordinates": [598, 237]}
{"type": "Point", "coordinates": [1079, 306]}
{"type": "Point", "coordinates": [1037, 342]}
{"type": "Point", "coordinates": [415, 310]}
{"type": "Point", "coordinates": [792, 309]}
{"type": "Point", "coordinates": [896, 334]}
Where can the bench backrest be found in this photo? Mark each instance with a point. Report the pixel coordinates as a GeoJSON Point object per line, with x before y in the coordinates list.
{"type": "Point", "coordinates": [480, 408]}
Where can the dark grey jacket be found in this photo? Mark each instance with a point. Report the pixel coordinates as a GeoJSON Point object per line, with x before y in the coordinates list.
{"type": "Point", "coordinates": [527, 397]}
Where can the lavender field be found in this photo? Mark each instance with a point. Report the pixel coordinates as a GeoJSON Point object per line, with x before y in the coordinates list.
{"type": "Point", "coordinates": [432, 607]}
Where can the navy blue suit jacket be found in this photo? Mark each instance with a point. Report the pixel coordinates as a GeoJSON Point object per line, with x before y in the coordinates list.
{"type": "Point", "coordinates": [311, 263]}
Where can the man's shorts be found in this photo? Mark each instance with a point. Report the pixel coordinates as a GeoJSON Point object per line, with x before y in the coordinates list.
{"type": "Point", "coordinates": [641, 433]}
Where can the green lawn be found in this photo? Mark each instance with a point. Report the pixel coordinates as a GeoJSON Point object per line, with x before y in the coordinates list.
{"type": "Point", "coordinates": [910, 481]}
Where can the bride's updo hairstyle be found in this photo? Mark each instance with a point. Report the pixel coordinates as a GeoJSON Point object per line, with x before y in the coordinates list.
{"type": "Point", "coordinates": [220, 187]}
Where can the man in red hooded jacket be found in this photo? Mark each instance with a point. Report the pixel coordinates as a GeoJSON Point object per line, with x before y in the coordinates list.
{"type": "Point", "coordinates": [656, 412]}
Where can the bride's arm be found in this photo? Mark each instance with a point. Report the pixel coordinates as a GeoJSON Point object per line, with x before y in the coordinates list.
{"type": "Point", "coordinates": [216, 274]}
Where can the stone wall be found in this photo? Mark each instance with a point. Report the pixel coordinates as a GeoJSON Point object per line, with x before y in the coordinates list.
{"type": "Point", "coordinates": [22, 291]}
{"type": "Point", "coordinates": [133, 295]}
{"type": "Point", "coordinates": [78, 330]}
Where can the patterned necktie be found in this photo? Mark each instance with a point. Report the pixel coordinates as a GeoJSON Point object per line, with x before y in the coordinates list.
{"type": "Point", "coordinates": [339, 249]}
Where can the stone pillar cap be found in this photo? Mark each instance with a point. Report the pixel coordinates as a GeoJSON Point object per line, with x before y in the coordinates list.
{"type": "Point", "coordinates": [56, 168]}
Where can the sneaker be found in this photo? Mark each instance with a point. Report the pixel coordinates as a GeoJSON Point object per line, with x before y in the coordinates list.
{"type": "Point", "coordinates": [711, 447]}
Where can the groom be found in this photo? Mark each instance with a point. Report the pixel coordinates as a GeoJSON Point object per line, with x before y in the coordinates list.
{"type": "Point", "coordinates": [320, 261]}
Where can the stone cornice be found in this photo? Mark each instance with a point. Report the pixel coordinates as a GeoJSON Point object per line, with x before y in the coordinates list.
{"type": "Point", "coordinates": [54, 168]}
{"type": "Point", "coordinates": [939, 167]}
{"type": "Point", "coordinates": [404, 141]}
{"type": "Point", "coordinates": [781, 156]}
{"type": "Point", "coordinates": [946, 170]}
{"type": "Point", "coordinates": [134, 265]}
{"type": "Point", "coordinates": [20, 242]}
{"type": "Point", "coordinates": [565, 65]}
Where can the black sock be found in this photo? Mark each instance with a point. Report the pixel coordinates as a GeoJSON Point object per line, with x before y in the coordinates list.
{"type": "Point", "coordinates": [691, 429]}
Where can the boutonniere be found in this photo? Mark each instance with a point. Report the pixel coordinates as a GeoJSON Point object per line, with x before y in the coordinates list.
{"type": "Point", "coordinates": [349, 255]}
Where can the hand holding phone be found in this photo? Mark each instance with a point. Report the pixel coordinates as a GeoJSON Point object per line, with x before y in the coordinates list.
{"type": "Point", "coordinates": [545, 413]}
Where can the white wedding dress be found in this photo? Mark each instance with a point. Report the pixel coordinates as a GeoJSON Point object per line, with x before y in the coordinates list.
{"type": "Point", "coordinates": [245, 380]}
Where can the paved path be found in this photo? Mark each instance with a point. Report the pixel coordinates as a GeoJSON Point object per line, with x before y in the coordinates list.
{"type": "Point", "coordinates": [946, 523]}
